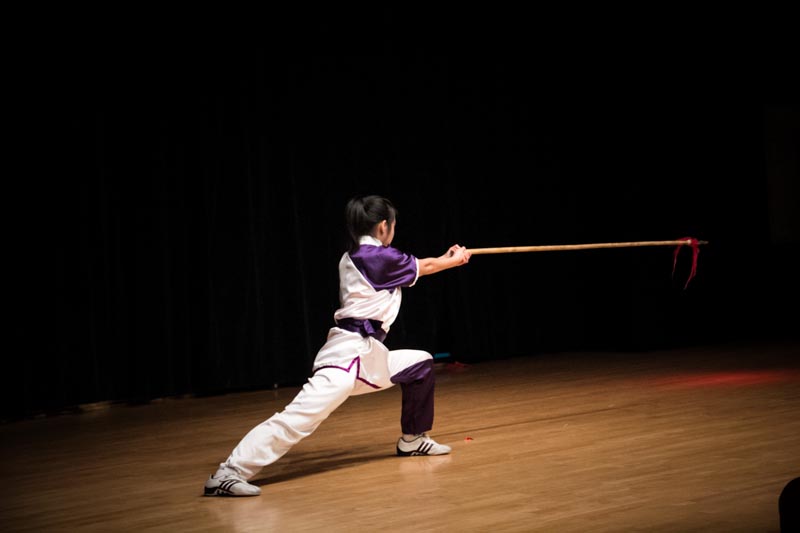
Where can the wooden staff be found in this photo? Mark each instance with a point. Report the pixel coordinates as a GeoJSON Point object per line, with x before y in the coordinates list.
{"type": "Point", "coordinates": [678, 243]}
{"type": "Point", "coordinates": [557, 247]}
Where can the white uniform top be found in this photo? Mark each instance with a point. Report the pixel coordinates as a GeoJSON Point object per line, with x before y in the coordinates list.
{"type": "Point", "coordinates": [370, 281]}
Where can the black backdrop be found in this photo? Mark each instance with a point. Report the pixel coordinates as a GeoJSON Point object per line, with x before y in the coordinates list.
{"type": "Point", "coordinates": [184, 220]}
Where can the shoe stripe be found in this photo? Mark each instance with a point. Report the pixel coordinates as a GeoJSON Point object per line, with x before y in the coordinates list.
{"type": "Point", "coordinates": [228, 484]}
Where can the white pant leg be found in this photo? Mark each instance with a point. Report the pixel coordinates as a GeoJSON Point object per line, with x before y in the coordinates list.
{"type": "Point", "coordinates": [326, 390]}
{"type": "Point", "coordinates": [399, 360]}
{"type": "Point", "coordinates": [379, 365]}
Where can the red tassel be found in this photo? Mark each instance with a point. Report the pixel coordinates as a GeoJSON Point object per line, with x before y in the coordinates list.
{"type": "Point", "coordinates": [695, 250]}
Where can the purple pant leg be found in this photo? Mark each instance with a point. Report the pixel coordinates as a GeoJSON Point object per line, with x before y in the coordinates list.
{"type": "Point", "coordinates": [417, 383]}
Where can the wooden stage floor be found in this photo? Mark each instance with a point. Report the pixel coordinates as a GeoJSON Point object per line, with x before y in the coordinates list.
{"type": "Point", "coordinates": [691, 439]}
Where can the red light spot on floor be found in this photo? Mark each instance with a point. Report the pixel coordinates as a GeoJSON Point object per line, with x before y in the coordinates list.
{"type": "Point", "coordinates": [730, 378]}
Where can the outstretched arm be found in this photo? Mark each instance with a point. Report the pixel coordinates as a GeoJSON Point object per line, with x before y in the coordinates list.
{"type": "Point", "coordinates": [455, 256]}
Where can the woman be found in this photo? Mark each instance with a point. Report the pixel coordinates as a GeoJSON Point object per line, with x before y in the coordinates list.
{"type": "Point", "coordinates": [354, 359]}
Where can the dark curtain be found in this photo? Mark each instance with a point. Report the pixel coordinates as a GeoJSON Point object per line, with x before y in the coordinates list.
{"type": "Point", "coordinates": [188, 231]}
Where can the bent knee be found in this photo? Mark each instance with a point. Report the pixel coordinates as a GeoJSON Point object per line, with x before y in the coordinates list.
{"type": "Point", "coordinates": [418, 371]}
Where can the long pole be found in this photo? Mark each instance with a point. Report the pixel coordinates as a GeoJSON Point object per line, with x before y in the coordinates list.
{"type": "Point", "coordinates": [556, 247]}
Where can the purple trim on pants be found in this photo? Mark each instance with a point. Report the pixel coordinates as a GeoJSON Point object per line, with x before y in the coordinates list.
{"type": "Point", "coordinates": [357, 362]}
{"type": "Point", "coordinates": [417, 382]}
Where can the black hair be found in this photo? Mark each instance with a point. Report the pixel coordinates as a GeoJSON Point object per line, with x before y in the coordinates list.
{"type": "Point", "coordinates": [363, 212]}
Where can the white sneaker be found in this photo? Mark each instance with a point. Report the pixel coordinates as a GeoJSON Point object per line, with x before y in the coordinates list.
{"type": "Point", "coordinates": [228, 482]}
{"type": "Point", "coordinates": [421, 444]}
